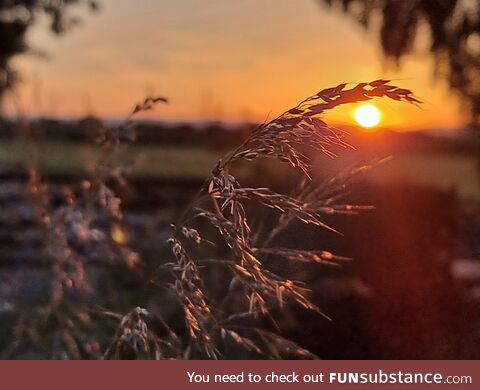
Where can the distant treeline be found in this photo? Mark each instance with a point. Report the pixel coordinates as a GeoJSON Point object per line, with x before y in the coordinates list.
{"type": "Point", "coordinates": [213, 135]}
{"type": "Point", "coordinates": [217, 135]}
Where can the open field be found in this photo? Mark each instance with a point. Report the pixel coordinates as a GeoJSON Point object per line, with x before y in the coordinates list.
{"type": "Point", "coordinates": [447, 171]}
{"type": "Point", "coordinates": [72, 158]}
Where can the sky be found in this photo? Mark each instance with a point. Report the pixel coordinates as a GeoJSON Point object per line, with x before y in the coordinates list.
{"type": "Point", "coordinates": [218, 60]}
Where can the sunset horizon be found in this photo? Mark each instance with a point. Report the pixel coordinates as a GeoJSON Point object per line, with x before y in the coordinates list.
{"type": "Point", "coordinates": [214, 68]}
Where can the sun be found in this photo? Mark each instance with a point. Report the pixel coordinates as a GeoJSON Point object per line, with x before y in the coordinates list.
{"type": "Point", "coordinates": [368, 116]}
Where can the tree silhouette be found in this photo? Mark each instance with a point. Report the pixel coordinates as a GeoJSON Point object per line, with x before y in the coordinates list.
{"type": "Point", "coordinates": [454, 27]}
{"type": "Point", "coordinates": [16, 17]}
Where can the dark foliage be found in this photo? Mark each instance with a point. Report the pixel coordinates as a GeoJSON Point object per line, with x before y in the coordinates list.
{"type": "Point", "coordinates": [17, 17]}
{"type": "Point", "coordinates": [454, 27]}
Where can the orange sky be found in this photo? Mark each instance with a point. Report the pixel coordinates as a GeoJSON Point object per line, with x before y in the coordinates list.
{"type": "Point", "coordinates": [218, 59]}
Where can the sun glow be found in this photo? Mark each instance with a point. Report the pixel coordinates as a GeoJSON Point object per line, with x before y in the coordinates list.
{"type": "Point", "coordinates": [368, 116]}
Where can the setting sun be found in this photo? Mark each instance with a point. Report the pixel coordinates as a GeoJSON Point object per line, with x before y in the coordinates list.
{"type": "Point", "coordinates": [367, 115]}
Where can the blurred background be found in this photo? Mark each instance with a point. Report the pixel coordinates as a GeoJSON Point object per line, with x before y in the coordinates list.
{"type": "Point", "coordinates": [413, 289]}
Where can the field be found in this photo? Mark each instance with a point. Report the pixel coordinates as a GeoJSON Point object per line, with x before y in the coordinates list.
{"type": "Point", "coordinates": [411, 255]}
{"type": "Point", "coordinates": [458, 172]}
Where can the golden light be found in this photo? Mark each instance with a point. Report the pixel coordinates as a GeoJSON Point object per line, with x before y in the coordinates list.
{"type": "Point", "coordinates": [368, 115]}
{"type": "Point", "coordinates": [119, 235]}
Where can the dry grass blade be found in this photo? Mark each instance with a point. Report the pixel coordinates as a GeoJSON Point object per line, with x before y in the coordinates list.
{"type": "Point", "coordinates": [286, 136]}
{"type": "Point", "coordinates": [325, 194]}
{"type": "Point", "coordinates": [134, 340]}
{"type": "Point", "coordinates": [305, 256]}
{"type": "Point", "coordinates": [260, 284]}
{"type": "Point", "coordinates": [279, 347]}
{"type": "Point", "coordinates": [242, 341]}
{"type": "Point", "coordinates": [198, 315]}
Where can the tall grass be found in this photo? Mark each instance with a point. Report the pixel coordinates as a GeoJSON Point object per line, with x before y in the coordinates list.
{"type": "Point", "coordinates": [253, 289]}
{"type": "Point", "coordinates": [230, 304]}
